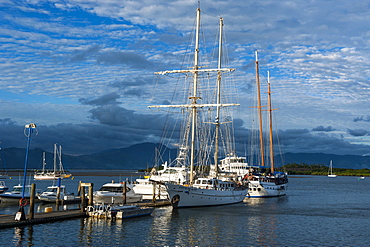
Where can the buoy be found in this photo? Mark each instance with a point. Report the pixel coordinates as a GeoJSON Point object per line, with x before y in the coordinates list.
{"type": "Point", "coordinates": [48, 209]}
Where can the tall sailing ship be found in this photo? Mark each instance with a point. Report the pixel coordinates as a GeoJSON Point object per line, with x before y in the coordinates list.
{"type": "Point", "coordinates": [264, 181]}
{"type": "Point", "coordinates": [200, 141]}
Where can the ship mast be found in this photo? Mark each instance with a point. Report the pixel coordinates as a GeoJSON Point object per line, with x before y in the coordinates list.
{"type": "Point", "coordinates": [272, 160]}
{"type": "Point", "coordinates": [259, 107]}
{"type": "Point", "coordinates": [217, 120]}
{"type": "Point", "coordinates": [194, 105]}
{"type": "Point", "coordinates": [194, 98]}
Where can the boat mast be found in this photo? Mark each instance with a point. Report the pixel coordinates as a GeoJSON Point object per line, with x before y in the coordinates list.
{"type": "Point", "coordinates": [43, 162]}
{"type": "Point", "coordinates": [55, 158]}
{"type": "Point", "coordinates": [260, 112]}
{"type": "Point", "coordinates": [193, 105]}
{"type": "Point", "coordinates": [194, 98]}
{"type": "Point", "coordinates": [60, 159]}
{"type": "Point", "coordinates": [217, 120]}
{"type": "Point", "coordinates": [272, 160]}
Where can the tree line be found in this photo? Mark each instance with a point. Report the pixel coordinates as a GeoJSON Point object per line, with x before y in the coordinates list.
{"type": "Point", "coordinates": [320, 169]}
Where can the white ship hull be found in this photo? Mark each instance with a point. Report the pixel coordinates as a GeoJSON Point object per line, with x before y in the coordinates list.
{"type": "Point", "coordinates": [15, 195]}
{"type": "Point", "coordinates": [145, 188]}
{"type": "Point", "coordinates": [107, 197]}
{"type": "Point", "coordinates": [265, 189]}
{"type": "Point", "coordinates": [184, 196]}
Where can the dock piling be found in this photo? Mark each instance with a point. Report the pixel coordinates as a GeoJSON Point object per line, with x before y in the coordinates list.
{"type": "Point", "coordinates": [83, 200]}
{"type": "Point", "coordinates": [31, 212]}
{"type": "Point", "coordinates": [124, 192]}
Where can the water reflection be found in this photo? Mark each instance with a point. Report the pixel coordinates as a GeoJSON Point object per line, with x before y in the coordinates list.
{"type": "Point", "coordinates": [42, 207]}
{"type": "Point", "coordinates": [262, 227]}
{"type": "Point", "coordinates": [23, 236]}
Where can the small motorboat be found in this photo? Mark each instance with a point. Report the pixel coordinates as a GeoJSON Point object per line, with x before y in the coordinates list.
{"type": "Point", "coordinates": [15, 194]}
{"type": "Point", "coordinates": [50, 195]}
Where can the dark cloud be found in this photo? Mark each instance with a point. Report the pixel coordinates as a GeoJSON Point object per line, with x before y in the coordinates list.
{"type": "Point", "coordinates": [78, 55]}
{"type": "Point", "coordinates": [299, 141]}
{"type": "Point", "coordinates": [114, 115]}
{"type": "Point", "coordinates": [362, 118]}
{"type": "Point", "coordinates": [138, 92]}
{"type": "Point", "coordinates": [90, 137]}
{"type": "Point", "coordinates": [108, 99]}
{"type": "Point", "coordinates": [302, 140]}
{"type": "Point", "coordinates": [128, 58]}
{"type": "Point", "coordinates": [358, 132]}
{"type": "Point", "coordinates": [133, 82]}
{"type": "Point", "coordinates": [118, 127]}
{"type": "Point", "coordinates": [7, 121]}
{"type": "Point", "coordinates": [322, 128]}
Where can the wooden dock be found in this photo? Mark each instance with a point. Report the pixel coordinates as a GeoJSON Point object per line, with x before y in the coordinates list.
{"type": "Point", "coordinates": [7, 221]}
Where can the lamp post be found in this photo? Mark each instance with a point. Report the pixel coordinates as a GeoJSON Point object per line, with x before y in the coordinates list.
{"type": "Point", "coordinates": [28, 130]}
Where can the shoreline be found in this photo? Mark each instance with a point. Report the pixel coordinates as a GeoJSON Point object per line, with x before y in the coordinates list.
{"type": "Point", "coordinates": [84, 173]}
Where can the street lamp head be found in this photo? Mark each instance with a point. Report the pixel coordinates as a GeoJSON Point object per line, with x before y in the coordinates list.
{"type": "Point", "coordinates": [31, 126]}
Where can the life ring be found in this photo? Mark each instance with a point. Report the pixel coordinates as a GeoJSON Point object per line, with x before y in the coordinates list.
{"type": "Point", "coordinates": [23, 202]}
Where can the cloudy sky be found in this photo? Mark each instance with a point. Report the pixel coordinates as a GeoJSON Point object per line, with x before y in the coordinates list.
{"type": "Point", "coordinates": [83, 70]}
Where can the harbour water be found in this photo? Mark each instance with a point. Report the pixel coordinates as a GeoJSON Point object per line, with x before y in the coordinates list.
{"type": "Point", "coordinates": [318, 211]}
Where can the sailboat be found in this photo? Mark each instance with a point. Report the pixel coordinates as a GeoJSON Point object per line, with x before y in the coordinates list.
{"type": "Point", "coordinates": [56, 173]}
{"type": "Point", "coordinates": [330, 171]}
{"type": "Point", "coordinates": [264, 183]}
{"type": "Point", "coordinates": [202, 190]}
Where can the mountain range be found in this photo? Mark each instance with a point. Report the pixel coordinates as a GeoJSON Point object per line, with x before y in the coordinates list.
{"type": "Point", "coordinates": [141, 156]}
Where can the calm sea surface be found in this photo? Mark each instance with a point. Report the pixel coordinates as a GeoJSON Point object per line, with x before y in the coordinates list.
{"type": "Point", "coordinates": [318, 211]}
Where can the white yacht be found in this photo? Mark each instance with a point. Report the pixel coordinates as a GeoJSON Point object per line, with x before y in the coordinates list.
{"type": "Point", "coordinates": [174, 174]}
{"type": "Point", "coordinates": [112, 193]}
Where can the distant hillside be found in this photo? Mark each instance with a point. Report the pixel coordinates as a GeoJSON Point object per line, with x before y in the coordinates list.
{"type": "Point", "coordinates": [141, 156]}
{"type": "Point", "coordinates": [135, 157]}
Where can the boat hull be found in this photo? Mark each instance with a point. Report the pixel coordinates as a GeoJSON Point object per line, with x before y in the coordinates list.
{"type": "Point", "coordinates": [12, 198]}
{"type": "Point", "coordinates": [265, 189]}
{"type": "Point", "coordinates": [184, 196]}
{"type": "Point", "coordinates": [16, 194]}
{"type": "Point", "coordinates": [145, 188]}
{"type": "Point", "coordinates": [64, 199]}
{"type": "Point", "coordinates": [50, 177]}
{"type": "Point", "coordinates": [134, 213]}
{"type": "Point", "coordinates": [112, 198]}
